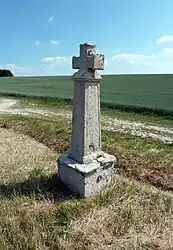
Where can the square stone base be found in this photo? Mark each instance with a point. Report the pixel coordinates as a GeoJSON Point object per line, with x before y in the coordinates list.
{"type": "Point", "coordinates": [85, 180]}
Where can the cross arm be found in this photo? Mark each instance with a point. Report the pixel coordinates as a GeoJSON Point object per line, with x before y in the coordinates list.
{"type": "Point", "coordinates": [96, 62]}
{"type": "Point", "coordinates": [76, 62]}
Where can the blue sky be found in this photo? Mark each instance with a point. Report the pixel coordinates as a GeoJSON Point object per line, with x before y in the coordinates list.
{"type": "Point", "coordinates": [39, 37]}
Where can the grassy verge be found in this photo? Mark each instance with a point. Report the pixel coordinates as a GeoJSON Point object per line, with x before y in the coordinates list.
{"type": "Point", "coordinates": [37, 213]}
{"type": "Point", "coordinates": [145, 160]}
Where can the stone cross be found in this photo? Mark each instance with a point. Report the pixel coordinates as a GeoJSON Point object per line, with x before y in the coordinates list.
{"type": "Point", "coordinates": [88, 59]}
{"type": "Point", "coordinates": [86, 169]}
{"type": "Point", "coordinates": [86, 135]}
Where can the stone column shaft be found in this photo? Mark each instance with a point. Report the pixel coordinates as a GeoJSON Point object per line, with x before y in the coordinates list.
{"type": "Point", "coordinates": [86, 131]}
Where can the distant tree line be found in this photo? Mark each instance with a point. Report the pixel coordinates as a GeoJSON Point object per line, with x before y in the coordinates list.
{"type": "Point", "coordinates": [5, 73]}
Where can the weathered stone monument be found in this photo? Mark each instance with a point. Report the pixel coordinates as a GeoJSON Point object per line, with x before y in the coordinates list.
{"type": "Point", "coordinates": [86, 169]}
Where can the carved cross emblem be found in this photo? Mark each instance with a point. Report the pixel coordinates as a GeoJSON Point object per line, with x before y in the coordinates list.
{"type": "Point", "coordinates": [88, 59]}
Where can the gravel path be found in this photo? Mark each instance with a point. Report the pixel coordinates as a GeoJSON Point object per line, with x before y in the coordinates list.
{"type": "Point", "coordinates": [142, 129]}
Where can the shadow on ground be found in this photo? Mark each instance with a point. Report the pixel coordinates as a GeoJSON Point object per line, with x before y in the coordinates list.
{"type": "Point", "coordinates": [42, 187]}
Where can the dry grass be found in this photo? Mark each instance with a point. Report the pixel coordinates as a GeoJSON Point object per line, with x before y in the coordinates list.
{"type": "Point", "coordinates": [143, 159]}
{"type": "Point", "coordinates": [37, 213]}
{"type": "Point", "coordinates": [140, 218]}
{"type": "Point", "coordinates": [126, 216]}
{"type": "Point", "coordinates": [21, 156]}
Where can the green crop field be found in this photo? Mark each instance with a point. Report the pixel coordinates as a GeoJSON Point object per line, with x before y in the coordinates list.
{"type": "Point", "coordinates": [150, 91]}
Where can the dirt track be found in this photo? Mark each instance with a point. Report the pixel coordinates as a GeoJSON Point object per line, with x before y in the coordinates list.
{"type": "Point", "coordinates": [142, 129]}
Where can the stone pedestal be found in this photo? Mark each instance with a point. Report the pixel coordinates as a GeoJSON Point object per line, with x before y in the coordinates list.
{"type": "Point", "coordinates": [86, 169]}
{"type": "Point", "coordinates": [85, 180]}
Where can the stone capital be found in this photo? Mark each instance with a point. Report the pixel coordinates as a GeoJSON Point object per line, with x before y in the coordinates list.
{"type": "Point", "coordinates": [86, 76]}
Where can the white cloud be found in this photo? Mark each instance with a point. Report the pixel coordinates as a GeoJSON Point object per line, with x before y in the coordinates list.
{"type": "Point", "coordinates": [133, 58]}
{"type": "Point", "coordinates": [13, 67]}
{"type": "Point", "coordinates": [168, 51]}
{"type": "Point", "coordinates": [48, 66]}
{"type": "Point", "coordinates": [50, 19]}
{"type": "Point", "coordinates": [37, 42]}
{"type": "Point", "coordinates": [57, 61]}
{"type": "Point", "coordinates": [164, 39]}
{"type": "Point", "coordinates": [133, 63]}
{"type": "Point", "coordinates": [58, 65]}
{"type": "Point", "coordinates": [54, 42]}
{"type": "Point", "coordinates": [118, 63]}
{"type": "Point", "coordinates": [48, 61]}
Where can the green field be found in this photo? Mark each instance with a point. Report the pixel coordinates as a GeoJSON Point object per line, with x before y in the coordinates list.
{"type": "Point", "coordinates": [150, 91]}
